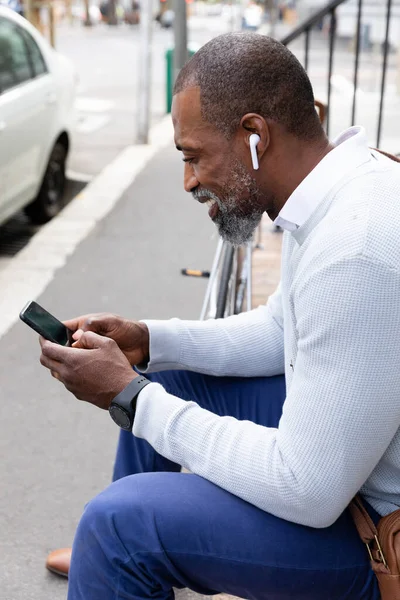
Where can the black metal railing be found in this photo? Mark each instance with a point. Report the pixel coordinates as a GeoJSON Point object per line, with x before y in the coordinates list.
{"type": "Point", "coordinates": [330, 11]}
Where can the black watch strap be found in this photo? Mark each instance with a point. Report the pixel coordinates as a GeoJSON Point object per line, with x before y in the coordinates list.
{"type": "Point", "coordinates": [123, 407]}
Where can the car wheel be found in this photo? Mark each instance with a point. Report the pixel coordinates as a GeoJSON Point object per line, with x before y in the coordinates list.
{"type": "Point", "coordinates": [50, 198]}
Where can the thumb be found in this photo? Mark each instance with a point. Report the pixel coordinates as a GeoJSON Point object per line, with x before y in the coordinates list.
{"type": "Point", "coordinates": [77, 335]}
{"type": "Point", "coordinates": [90, 341]}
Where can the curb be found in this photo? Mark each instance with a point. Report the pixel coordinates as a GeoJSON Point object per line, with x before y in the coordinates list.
{"type": "Point", "coordinates": [34, 267]}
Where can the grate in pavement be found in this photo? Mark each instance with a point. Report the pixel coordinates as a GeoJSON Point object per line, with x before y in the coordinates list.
{"type": "Point", "coordinates": [16, 233]}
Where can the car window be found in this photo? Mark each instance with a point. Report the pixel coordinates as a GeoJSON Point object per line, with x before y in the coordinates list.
{"type": "Point", "coordinates": [35, 55]}
{"type": "Point", "coordinates": [15, 67]}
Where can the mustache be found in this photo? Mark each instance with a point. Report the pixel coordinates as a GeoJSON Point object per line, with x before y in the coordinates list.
{"type": "Point", "coordinates": [204, 193]}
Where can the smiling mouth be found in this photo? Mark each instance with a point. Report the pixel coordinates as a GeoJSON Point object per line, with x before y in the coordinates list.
{"type": "Point", "coordinates": [205, 200]}
{"type": "Point", "coordinates": [210, 202]}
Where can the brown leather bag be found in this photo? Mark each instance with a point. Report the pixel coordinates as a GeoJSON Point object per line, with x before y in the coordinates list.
{"type": "Point", "coordinates": [383, 545]}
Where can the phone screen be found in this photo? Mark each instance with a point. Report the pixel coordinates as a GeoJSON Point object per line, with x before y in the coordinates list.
{"type": "Point", "coordinates": [45, 324]}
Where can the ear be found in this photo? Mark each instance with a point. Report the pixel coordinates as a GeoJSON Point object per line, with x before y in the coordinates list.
{"type": "Point", "coordinates": [254, 123]}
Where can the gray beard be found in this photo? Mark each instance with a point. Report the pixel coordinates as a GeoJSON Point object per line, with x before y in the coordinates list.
{"type": "Point", "coordinates": [235, 224]}
{"type": "Point", "coordinates": [236, 228]}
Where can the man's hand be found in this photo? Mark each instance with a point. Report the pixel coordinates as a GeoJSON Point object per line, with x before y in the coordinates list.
{"type": "Point", "coordinates": [95, 372]}
{"type": "Point", "coordinates": [132, 337]}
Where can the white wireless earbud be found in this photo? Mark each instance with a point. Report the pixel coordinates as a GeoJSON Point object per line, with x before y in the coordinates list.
{"type": "Point", "coordinates": [253, 140]}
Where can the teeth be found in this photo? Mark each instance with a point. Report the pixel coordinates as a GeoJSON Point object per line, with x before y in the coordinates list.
{"type": "Point", "coordinates": [210, 202]}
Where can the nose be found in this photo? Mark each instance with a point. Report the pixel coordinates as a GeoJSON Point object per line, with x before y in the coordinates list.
{"type": "Point", "coordinates": [190, 181]}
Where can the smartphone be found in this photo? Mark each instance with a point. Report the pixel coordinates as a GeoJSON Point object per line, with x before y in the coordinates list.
{"type": "Point", "coordinates": [45, 324]}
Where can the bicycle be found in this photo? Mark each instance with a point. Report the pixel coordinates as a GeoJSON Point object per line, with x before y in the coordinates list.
{"type": "Point", "coordinates": [229, 288]}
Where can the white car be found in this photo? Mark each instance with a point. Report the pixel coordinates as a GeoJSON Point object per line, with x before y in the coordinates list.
{"type": "Point", "coordinates": [37, 93]}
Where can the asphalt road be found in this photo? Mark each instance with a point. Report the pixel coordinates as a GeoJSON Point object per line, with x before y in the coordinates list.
{"type": "Point", "coordinates": [58, 453]}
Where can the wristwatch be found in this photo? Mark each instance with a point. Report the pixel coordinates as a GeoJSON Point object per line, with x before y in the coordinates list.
{"type": "Point", "coordinates": [123, 407]}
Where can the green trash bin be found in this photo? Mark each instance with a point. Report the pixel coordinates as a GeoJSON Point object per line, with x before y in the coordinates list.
{"type": "Point", "coordinates": [169, 59]}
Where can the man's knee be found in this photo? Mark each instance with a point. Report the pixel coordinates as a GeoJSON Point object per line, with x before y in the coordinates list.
{"type": "Point", "coordinates": [95, 524]}
{"type": "Point", "coordinates": [118, 520]}
{"type": "Point", "coordinates": [117, 549]}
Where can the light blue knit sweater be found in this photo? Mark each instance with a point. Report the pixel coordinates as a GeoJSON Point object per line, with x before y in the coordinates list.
{"type": "Point", "coordinates": [336, 319]}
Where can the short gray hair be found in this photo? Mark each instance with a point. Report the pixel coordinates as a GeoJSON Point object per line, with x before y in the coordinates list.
{"type": "Point", "coordinates": [239, 73]}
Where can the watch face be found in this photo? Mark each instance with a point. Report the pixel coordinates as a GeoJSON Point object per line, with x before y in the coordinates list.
{"type": "Point", "coordinates": [120, 416]}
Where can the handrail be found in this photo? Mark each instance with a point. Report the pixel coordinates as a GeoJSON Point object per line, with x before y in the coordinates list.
{"type": "Point", "coordinates": [313, 20]}
{"type": "Point", "coordinates": [384, 68]}
{"type": "Point", "coordinates": [329, 10]}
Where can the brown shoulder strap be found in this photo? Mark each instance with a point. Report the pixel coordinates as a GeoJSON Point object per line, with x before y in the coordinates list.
{"type": "Point", "coordinates": [391, 156]}
{"type": "Point", "coordinates": [365, 525]}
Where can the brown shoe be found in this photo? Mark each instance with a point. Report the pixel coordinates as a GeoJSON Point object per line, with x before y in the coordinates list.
{"type": "Point", "coordinates": [58, 561]}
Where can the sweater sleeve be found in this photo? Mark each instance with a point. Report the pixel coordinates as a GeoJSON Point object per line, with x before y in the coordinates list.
{"type": "Point", "coordinates": [340, 415]}
{"type": "Point", "coordinates": [249, 344]}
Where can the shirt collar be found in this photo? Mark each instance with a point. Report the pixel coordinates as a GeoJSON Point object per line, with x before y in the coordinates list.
{"type": "Point", "coordinates": [350, 151]}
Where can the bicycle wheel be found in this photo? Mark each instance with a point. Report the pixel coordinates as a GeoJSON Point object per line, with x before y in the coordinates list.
{"type": "Point", "coordinates": [228, 286]}
{"type": "Point", "coordinates": [225, 280]}
{"type": "Point", "coordinates": [242, 277]}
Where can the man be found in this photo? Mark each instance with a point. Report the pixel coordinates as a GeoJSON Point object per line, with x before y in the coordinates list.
{"type": "Point", "coordinates": [263, 514]}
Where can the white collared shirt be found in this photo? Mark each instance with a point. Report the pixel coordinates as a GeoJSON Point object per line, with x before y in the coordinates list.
{"type": "Point", "coordinates": [332, 327]}
{"type": "Point", "coordinates": [348, 153]}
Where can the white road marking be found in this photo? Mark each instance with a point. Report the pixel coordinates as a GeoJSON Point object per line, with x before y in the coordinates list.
{"type": "Point", "coordinates": [93, 105]}
{"type": "Point", "coordinates": [91, 123]}
{"type": "Point", "coordinates": [34, 267]}
{"type": "Point", "coordinates": [90, 114]}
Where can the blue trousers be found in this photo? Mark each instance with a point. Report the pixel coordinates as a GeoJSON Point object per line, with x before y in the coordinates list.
{"type": "Point", "coordinates": [154, 528]}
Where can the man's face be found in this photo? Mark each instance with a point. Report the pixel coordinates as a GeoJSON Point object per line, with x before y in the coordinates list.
{"type": "Point", "coordinates": [214, 172]}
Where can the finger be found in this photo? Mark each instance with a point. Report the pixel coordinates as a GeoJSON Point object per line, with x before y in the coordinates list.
{"type": "Point", "coordinates": [97, 323]}
{"type": "Point", "coordinates": [74, 324]}
{"type": "Point", "coordinates": [85, 322]}
{"type": "Point", "coordinates": [91, 341]}
{"type": "Point", "coordinates": [76, 336]}
{"type": "Point", "coordinates": [79, 322]}
{"type": "Point", "coordinates": [50, 364]}
{"type": "Point", "coordinates": [55, 352]}
{"type": "Point", "coordinates": [47, 345]}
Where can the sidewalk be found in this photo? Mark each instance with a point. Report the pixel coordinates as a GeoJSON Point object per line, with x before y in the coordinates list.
{"type": "Point", "coordinates": [57, 453]}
